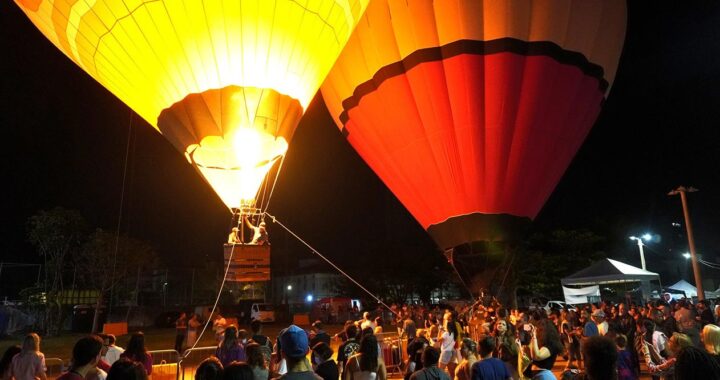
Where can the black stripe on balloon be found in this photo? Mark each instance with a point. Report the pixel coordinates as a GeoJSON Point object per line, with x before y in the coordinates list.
{"type": "Point", "coordinates": [501, 45]}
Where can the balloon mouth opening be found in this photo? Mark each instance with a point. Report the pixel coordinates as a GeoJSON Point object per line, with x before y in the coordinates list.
{"type": "Point", "coordinates": [236, 165]}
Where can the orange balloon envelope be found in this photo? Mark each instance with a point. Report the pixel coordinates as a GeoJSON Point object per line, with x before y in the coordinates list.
{"type": "Point", "coordinates": [470, 111]}
{"type": "Point", "coordinates": [226, 81]}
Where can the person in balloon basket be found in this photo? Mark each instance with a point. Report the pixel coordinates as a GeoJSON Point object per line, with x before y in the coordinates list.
{"type": "Point", "coordinates": [233, 237]}
{"type": "Point", "coordinates": [260, 235]}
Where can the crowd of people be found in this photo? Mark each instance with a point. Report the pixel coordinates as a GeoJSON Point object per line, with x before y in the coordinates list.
{"type": "Point", "coordinates": [670, 339]}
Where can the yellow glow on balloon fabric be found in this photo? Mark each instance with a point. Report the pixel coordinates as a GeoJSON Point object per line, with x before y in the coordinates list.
{"type": "Point", "coordinates": [156, 54]}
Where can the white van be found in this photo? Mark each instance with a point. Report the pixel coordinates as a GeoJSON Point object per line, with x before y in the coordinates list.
{"type": "Point", "coordinates": [263, 312]}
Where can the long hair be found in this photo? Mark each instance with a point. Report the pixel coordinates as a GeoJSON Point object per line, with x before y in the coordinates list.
{"type": "Point", "coordinates": [369, 351]}
{"type": "Point", "coordinates": [255, 356]}
{"type": "Point", "coordinates": [231, 337]}
{"type": "Point", "coordinates": [136, 347]}
{"type": "Point", "coordinates": [31, 343]}
{"type": "Point", "coordinates": [711, 339]}
{"type": "Point", "coordinates": [7, 358]}
{"type": "Point", "coordinates": [549, 336]}
{"type": "Point", "coordinates": [452, 328]}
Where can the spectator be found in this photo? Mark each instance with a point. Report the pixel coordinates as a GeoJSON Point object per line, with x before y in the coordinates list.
{"type": "Point", "coordinates": [230, 349]}
{"type": "Point", "coordinates": [711, 340]}
{"type": "Point", "coordinates": [238, 371]}
{"type": "Point", "coordinates": [181, 328]}
{"type": "Point", "coordinates": [193, 327]}
{"type": "Point", "coordinates": [489, 368]}
{"type": "Point", "coordinates": [318, 335]}
{"type": "Point", "coordinates": [325, 366]}
{"type": "Point", "coordinates": [430, 370]}
{"type": "Point", "coordinates": [137, 352]}
{"type": "Point", "coordinates": [262, 340]}
{"type": "Point", "coordinates": [545, 344]}
{"type": "Point", "coordinates": [468, 352]}
{"type": "Point", "coordinates": [626, 368]}
{"type": "Point", "coordinates": [29, 364]}
{"type": "Point", "coordinates": [446, 343]}
{"type": "Point", "coordinates": [111, 352]}
{"type": "Point", "coordinates": [705, 315]}
{"type": "Point", "coordinates": [85, 357]}
{"type": "Point", "coordinates": [365, 364]}
{"type": "Point", "coordinates": [294, 348]}
{"type": "Point", "coordinates": [256, 360]}
{"type": "Point", "coordinates": [415, 350]}
{"type": "Point", "coordinates": [126, 369]}
{"type": "Point", "coordinates": [645, 349]}
{"type": "Point", "coordinates": [693, 363]}
{"type": "Point", "coordinates": [7, 360]}
{"type": "Point", "coordinates": [367, 322]}
{"type": "Point", "coordinates": [601, 358]}
{"type": "Point", "coordinates": [348, 348]}
{"type": "Point", "coordinates": [209, 369]}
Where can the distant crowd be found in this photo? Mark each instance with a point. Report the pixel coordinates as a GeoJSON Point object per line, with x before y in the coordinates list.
{"type": "Point", "coordinates": [667, 339]}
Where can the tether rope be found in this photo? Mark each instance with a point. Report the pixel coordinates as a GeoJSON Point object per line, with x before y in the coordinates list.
{"type": "Point", "coordinates": [315, 251]}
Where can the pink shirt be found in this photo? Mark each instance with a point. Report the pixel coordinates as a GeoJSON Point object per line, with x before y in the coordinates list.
{"type": "Point", "coordinates": [28, 365]}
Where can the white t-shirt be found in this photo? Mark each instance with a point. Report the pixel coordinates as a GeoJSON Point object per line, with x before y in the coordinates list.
{"type": "Point", "coordinates": [659, 340]}
{"type": "Point", "coordinates": [603, 328]}
{"type": "Point", "coordinates": [113, 354]}
{"type": "Point", "coordinates": [367, 323]}
{"type": "Point", "coordinates": [447, 342]}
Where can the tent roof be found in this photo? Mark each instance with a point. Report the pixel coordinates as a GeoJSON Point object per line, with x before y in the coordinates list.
{"type": "Point", "coordinates": [684, 286]}
{"type": "Point", "coordinates": [609, 271]}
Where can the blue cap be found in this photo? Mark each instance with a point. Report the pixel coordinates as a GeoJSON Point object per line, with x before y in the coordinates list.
{"type": "Point", "coordinates": [294, 342]}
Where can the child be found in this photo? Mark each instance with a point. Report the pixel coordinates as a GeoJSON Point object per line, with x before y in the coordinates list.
{"type": "Point", "coordinates": [625, 368]}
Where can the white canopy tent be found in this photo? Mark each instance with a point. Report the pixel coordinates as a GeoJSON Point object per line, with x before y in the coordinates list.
{"type": "Point", "coordinates": [609, 271]}
{"type": "Point", "coordinates": [684, 286]}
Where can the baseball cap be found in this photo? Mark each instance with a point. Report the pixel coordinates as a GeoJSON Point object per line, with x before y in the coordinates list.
{"type": "Point", "coordinates": [294, 342]}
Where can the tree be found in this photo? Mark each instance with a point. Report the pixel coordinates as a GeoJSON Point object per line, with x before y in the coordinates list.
{"type": "Point", "coordinates": [547, 258]}
{"type": "Point", "coordinates": [56, 234]}
{"type": "Point", "coordinates": [106, 258]}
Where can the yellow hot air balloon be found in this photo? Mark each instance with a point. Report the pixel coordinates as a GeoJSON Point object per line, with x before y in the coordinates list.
{"type": "Point", "coordinates": [226, 81]}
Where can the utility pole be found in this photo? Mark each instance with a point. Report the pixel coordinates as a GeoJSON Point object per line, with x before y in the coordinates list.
{"type": "Point", "coordinates": [682, 190]}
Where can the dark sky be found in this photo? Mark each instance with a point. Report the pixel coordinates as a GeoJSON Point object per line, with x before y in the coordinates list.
{"type": "Point", "coordinates": [65, 141]}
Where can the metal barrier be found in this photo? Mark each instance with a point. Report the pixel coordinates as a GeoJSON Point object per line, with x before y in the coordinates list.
{"type": "Point", "coordinates": [192, 358]}
{"type": "Point", "coordinates": [392, 349]}
{"type": "Point", "coordinates": [165, 364]}
{"type": "Point", "coordinates": [55, 367]}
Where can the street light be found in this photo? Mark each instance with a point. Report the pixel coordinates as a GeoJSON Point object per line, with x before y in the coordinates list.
{"type": "Point", "coordinates": [682, 190]}
{"type": "Point", "coordinates": [686, 255]}
{"type": "Point", "coordinates": [646, 237]}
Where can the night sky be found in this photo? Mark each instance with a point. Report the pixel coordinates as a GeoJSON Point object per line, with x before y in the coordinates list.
{"type": "Point", "coordinates": [65, 140]}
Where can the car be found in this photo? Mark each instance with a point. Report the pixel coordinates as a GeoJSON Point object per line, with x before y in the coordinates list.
{"type": "Point", "coordinates": [558, 305]}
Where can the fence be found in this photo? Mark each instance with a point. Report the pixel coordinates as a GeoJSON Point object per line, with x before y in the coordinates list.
{"type": "Point", "coordinates": [191, 359]}
{"type": "Point", "coordinates": [393, 349]}
{"type": "Point", "coordinates": [165, 364]}
{"type": "Point", "coordinates": [55, 367]}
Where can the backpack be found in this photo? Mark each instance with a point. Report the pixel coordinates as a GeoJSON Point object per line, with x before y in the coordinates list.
{"type": "Point", "coordinates": [265, 346]}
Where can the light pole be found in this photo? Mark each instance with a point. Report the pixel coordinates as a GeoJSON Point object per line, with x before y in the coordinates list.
{"type": "Point", "coordinates": [691, 241]}
{"type": "Point", "coordinates": [646, 237]}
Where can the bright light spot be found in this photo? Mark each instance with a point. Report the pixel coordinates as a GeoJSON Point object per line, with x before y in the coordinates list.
{"type": "Point", "coordinates": [686, 255]}
{"type": "Point", "coordinates": [309, 298]}
{"type": "Point", "coordinates": [289, 287]}
{"type": "Point", "coordinates": [647, 237]}
{"type": "Point", "coordinates": [633, 238]}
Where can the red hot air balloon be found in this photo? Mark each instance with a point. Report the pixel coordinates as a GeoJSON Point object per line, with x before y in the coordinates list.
{"type": "Point", "coordinates": [471, 111]}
